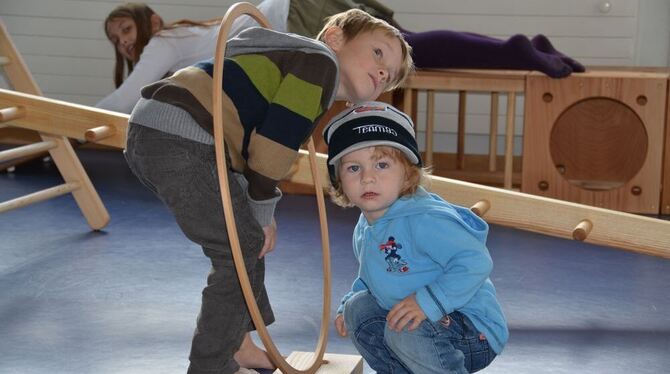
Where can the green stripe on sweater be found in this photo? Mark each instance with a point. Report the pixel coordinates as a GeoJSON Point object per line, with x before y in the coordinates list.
{"type": "Point", "coordinates": [264, 73]}
{"type": "Point", "coordinates": [299, 96]}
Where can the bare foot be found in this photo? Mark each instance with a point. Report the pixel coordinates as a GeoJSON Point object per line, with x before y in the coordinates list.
{"type": "Point", "coordinates": [251, 356]}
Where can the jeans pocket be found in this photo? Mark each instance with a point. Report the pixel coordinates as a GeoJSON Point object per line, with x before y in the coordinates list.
{"type": "Point", "coordinates": [451, 325]}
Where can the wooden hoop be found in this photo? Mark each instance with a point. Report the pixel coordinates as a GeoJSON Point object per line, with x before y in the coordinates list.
{"type": "Point", "coordinates": [234, 12]}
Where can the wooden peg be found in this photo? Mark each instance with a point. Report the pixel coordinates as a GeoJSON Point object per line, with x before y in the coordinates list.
{"type": "Point", "coordinates": [98, 133]}
{"type": "Point", "coordinates": [582, 230]}
{"type": "Point", "coordinates": [481, 207]}
{"type": "Point", "coordinates": [12, 113]}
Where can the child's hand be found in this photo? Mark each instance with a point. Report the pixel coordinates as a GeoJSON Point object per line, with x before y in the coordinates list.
{"type": "Point", "coordinates": [405, 311]}
{"type": "Point", "coordinates": [339, 325]}
{"type": "Point", "coordinates": [270, 232]}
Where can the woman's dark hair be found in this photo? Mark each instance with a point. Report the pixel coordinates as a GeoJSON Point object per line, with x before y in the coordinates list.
{"type": "Point", "coordinates": [141, 15]}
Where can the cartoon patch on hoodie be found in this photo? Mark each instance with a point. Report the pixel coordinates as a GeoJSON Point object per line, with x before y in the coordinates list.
{"type": "Point", "coordinates": [393, 259]}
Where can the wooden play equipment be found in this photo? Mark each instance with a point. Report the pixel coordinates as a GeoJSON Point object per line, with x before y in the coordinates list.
{"type": "Point", "coordinates": [55, 119]}
{"type": "Point", "coordinates": [19, 77]}
{"type": "Point", "coordinates": [509, 82]}
{"type": "Point", "coordinates": [47, 119]}
{"type": "Point", "coordinates": [507, 208]}
{"type": "Point", "coordinates": [543, 215]}
{"type": "Point", "coordinates": [597, 138]}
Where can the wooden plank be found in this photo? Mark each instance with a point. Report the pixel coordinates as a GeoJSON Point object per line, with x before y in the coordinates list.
{"type": "Point", "coordinates": [333, 363]}
{"type": "Point", "coordinates": [430, 127]}
{"type": "Point", "coordinates": [493, 131]}
{"type": "Point", "coordinates": [509, 139]}
{"type": "Point", "coordinates": [62, 118]}
{"type": "Point", "coordinates": [546, 216]}
{"type": "Point", "coordinates": [460, 143]}
{"type": "Point", "coordinates": [482, 80]}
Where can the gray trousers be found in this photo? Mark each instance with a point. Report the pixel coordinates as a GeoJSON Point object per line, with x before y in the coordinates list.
{"type": "Point", "coordinates": [182, 173]}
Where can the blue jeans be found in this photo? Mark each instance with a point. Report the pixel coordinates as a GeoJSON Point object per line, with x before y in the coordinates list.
{"type": "Point", "coordinates": [451, 345]}
{"type": "Point", "coordinates": [182, 173]}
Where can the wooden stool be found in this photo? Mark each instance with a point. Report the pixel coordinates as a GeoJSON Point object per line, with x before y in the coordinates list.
{"type": "Point", "coordinates": [511, 82]}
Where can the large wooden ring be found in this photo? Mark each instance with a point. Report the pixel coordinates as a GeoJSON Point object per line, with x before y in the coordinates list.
{"type": "Point", "coordinates": [233, 12]}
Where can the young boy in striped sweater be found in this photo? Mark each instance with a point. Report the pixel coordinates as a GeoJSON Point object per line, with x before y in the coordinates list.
{"type": "Point", "coordinates": [276, 87]}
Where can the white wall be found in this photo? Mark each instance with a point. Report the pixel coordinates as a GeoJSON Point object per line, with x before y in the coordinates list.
{"type": "Point", "coordinates": [65, 47]}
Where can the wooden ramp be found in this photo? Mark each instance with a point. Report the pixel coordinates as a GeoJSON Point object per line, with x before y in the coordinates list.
{"type": "Point", "coordinates": [504, 207]}
{"type": "Point", "coordinates": [539, 214]}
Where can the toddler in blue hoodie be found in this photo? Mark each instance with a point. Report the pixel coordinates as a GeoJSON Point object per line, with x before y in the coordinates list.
{"type": "Point", "coordinates": [423, 301]}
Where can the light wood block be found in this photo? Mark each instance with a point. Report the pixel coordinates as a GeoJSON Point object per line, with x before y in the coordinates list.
{"type": "Point", "coordinates": [596, 138]}
{"type": "Point", "coordinates": [49, 116]}
{"type": "Point", "coordinates": [493, 131]}
{"type": "Point", "coordinates": [334, 363]}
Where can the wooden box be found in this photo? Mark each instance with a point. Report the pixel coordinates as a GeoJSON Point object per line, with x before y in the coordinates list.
{"type": "Point", "coordinates": [596, 138]}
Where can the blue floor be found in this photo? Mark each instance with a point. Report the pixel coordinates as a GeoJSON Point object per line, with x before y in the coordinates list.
{"type": "Point", "coordinates": [124, 300]}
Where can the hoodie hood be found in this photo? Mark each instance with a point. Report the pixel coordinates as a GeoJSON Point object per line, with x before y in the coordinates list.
{"type": "Point", "coordinates": [424, 202]}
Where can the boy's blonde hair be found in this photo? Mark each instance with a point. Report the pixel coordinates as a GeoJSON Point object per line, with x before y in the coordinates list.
{"type": "Point", "coordinates": [355, 21]}
{"type": "Point", "coordinates": [415, 175]}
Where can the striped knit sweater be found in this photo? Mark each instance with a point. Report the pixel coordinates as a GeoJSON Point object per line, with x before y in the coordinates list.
{"type": "Point", "coordinates": [276, 87]}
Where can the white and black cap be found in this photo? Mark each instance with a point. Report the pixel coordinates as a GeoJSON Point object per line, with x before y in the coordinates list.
{"type": "Point", "coordinates": [369, 124]}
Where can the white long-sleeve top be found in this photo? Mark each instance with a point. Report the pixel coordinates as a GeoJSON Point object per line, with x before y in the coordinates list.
{"type": "Point", "coordinates": [174, 49]}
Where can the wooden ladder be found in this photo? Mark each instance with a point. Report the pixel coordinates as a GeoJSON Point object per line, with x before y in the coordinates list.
{"type": "Point", "coordinates": [58, 146]}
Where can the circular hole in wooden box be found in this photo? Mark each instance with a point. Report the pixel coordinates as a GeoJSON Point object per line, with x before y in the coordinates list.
{"type": "Point", "coordinates": [600, 143]}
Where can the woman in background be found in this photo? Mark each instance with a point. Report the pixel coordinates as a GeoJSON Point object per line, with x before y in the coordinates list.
{"type": "Point", "coordinates": [150, 50]}
{"type": "Point", "coordinates": [147, 49]}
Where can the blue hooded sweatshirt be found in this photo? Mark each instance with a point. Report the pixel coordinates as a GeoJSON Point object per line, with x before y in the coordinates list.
{"type": "Point", "coordinates": [427, 246]}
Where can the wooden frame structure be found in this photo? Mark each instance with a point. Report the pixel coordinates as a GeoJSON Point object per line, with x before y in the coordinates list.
{"type": "Point", "coordinates": [53, 141]}
{"type": "Point", "coordinates": [510, 82]}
